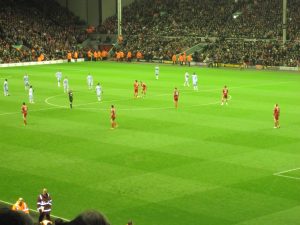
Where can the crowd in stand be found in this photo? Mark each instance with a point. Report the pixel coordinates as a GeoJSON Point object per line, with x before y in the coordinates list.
{"type": "Point", "coordinates": [266, 53]}
{"type": "Point", "coordinates": [35, 30]}
{"type": "Point", "coordinates": [168, 27]}
{"type": "Point", "coordinates": [244, 30]}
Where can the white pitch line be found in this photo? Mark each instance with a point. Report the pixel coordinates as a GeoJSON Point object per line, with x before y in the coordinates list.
{"type": "Point", "coordinates": [290, 177]}
{"type": "Point", "coordinates": [48, 103]}
{"type": "Point", "coordinates": [55, 106]}
{"type": "Point", "coordinates": [36, 110]}
{"type": "Point", "coordinates": [32, 210]}
{"type": "Point", "coordinates": [280, 174]}
{"type": "Point", "coordinates": [286, 171]}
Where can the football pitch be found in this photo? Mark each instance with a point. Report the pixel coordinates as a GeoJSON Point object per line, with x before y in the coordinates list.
{"type": "Point", "coordinates": [200, 164]}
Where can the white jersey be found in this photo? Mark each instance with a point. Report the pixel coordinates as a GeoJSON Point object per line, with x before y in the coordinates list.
{"type": "Point", "coordinates": [89, 79]}
{"type": "Point", "coordinates": [5, 85]}
{"type": "Point", "coordinates": [186, 76]}
{"type": "Point", "coordinates": [30, 92]}
{"type": "Point", "coordinates": [58, 76]}
{"type": "Point", "coordinates": [26, 80]}
{"type": "Point", "coordinates": [195, 79]}
{"type": "Point", "coordinates": [66, 82]}
{"type": "Point", "coordinates": [98, 90]}
{"type": "Point", "coordinates": [156, 70]}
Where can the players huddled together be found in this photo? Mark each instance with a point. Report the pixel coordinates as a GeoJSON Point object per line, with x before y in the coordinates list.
{"type": "Point", "coordinates": [98, 89]}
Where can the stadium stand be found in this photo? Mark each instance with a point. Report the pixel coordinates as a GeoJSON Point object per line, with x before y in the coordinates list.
{"type": "Point", "coordinates": [228, 31]}
{"type": "Point", "coordinates": [35, 30]}
{"type": "Point", "coordinates": [172, 26]}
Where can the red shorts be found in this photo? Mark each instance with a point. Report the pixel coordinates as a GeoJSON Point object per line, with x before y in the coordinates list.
{"type": "Point", "coordinates": [24, 115]}
{"type": "Point", "coordinates": [276, 117]}
{"type": "Point", "coordinates": [225, 96]}
{"type": "Point", "coordinates": [113, 117]}
{"type": "Point", "coordinates": [136, 91]}
{"type": "Point", "coordinates": [176, 99]}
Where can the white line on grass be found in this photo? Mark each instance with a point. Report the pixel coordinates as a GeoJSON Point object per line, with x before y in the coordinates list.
{"type": "Point", "coordinates": [55, 106]}
{"type": "Point", "coordinates": [127, 109]}
{"type": "Point", "coordinates": [286, 171]}
{"type": "Point", "coordinates": [36, 110]}
{"type": "Point", "coordinates": [32, 210]}
{"type": "Point", "coordinates": [280, 174]}
{"type": "Point", "coordinates": [290, 177]}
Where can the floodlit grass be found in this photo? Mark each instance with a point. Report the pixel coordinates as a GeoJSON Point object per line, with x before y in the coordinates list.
{"type": "Point", "coordinates": [201, 164]}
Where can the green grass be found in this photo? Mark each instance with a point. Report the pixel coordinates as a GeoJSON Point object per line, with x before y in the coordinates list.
{"type": "Point", "coordinates": [201, 164]}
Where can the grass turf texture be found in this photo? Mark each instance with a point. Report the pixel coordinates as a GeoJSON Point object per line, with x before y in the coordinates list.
{"type": "Point", "coordinates": [202, 164]}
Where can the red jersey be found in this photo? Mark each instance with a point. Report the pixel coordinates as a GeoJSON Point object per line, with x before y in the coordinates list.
{"type": "Point", "coordinates": [144, 86]}
{"type": "Point", "coordinates": [24, 109]}
{"type": "Point", "coordinates": [136, 86]}
{"type": "Point", "coordinates": [276, 112]}
{"type": "Point", "coordinates": [176, 95]}
{"type": "Point", "coordinates": [113, 113]}
{"type": "Point", "coordinates": [225, 92]}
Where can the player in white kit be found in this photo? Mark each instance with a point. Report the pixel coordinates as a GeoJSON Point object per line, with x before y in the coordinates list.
{"type": "Point", "coordinates": [195, 81]}
{"type": "Point", "coordinates": [90, 81]}
{"type": "Point", "coordinates": [99, 91]}
{"type": "Point", "coordinates": [156, 72]}
{"type": "Point", "coordinates": [5, 88]}
{"type": "Point", "coordinates": [26, 81]}
{"type": "Point", "coordinates": [186, 79]}
{"type": "Point", "coordinates": [30, 94]}
{"type": "Point", "coordinates": [58, 77]}
{"type": "Point", "coordinates": [66, 85]}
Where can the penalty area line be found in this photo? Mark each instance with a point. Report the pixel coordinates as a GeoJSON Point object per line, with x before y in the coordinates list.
{"type": "Point", "coordinates": [33, 210]}
{"type": "Point", "coordinates": [281, 174]}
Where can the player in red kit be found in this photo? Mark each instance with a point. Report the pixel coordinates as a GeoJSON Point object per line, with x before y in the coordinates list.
{"type": "Point", "coordinates": [24, 110]}
{"type": "Point", "coordinates": [176, 96]}
{"type": "Point", "coordinates": [276, 114]}
{"type": "Point", "coordinates": [113, 117]}
{"type": "Point", "coordinates": [144, 88]}
{"type": "Point", "coordinates": [136, 88]}
{"type": "Point", "coordinates": [225, 95]}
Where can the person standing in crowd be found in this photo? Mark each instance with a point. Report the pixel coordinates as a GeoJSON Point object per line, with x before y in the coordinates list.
{"type": "Point", "coordinates": [20, 205]}
{"type": "Point", "coordinates": [71, 98]}
{"type": "Point", "coordinates": [30, 94]}
{"type": "Point", "coordinates": [276, 113]}
{"type": "Point", "coordinates": [44, 205]}
{"type": "Point", "coordinates": [5, 88]}
{"type": "Point", "coordinates": [24, 110]}
{"type": "Point", "coordinates": [58, 77]}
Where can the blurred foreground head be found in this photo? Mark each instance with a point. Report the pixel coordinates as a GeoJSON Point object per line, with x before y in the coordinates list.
{"type": "Point", "coordinates": [90, 217]}
{"type": "Point", "coordinates": [10, 217]}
